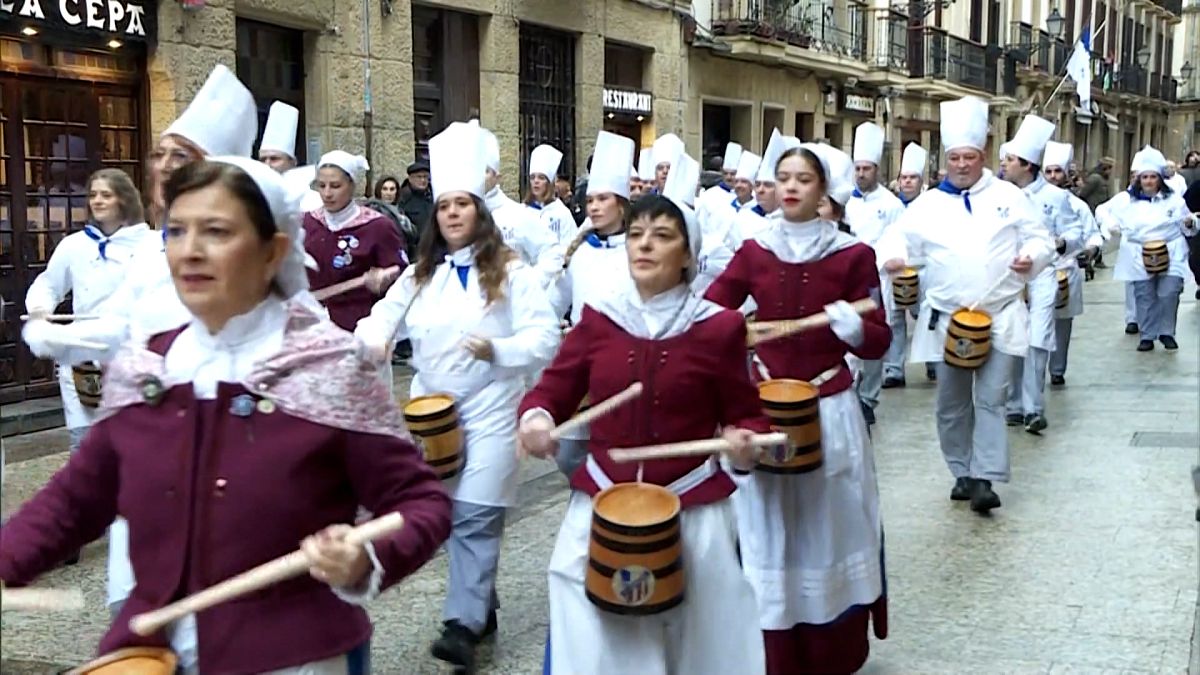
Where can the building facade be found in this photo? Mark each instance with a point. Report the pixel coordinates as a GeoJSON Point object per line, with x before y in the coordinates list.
{"type": "Point", "coordinates": [86, 84]}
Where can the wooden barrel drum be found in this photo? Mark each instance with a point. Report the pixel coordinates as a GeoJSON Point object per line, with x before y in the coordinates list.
{"type": "Point", "coordinates": [88, 378]}
{"type": "Point", "coordinates": [131, 661]}
{"type": "Point", "coordinates": [906, 288]}
{"type": "Point", "coordinates": [968, 339]}
{"type": "Point", "coordinates": [1156, 257]}
{"type": "Point", "coordinates": [433, 421]}
{"type": "Point", "coordinates": [635, 557]}
{"type": "Point", "coordinates": [1063, 297]}
{"type": "Point", "coordinates": [793, 408]}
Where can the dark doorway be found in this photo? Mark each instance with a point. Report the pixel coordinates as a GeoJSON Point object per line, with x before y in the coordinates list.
{"type": "Point", "coordinates": [270, 61]}
{"type": "Point", "coordinates": [445, 72]}
{"type": "Point", "coordinates": [547, 95]}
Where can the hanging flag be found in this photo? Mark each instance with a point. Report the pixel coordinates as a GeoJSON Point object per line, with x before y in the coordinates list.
{"type": "Point", "coordinates": [1079, 68]}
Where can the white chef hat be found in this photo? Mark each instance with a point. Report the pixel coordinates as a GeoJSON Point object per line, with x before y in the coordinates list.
{"type": "Point", "coordinates": [646, 165]}
{"type": "Point", "coordinates": [1003, 150]}
{"type": "Point", "coordinates": [733, 154]}
{"type": "Point", "coordinates": [283, 197]}
{"type": "Point", "coordinates": [280, 133]}
{"type": "Point", "coordinates": [457, 160]}
{"type": "Point", "coordinates": [748, 166]}
{"type": "Point", "coordinates": [222, 119]}
{"type": "Point", "coordinates": [667, 149]}
{"type": "Point", "coordinates": [914, 159]}
{"type": "Point", "coordinates": [1148, 159]}
{"type": "Point", "coordinates": [868, 143]}
{"type": "Point", "coordinates": [1030, 141]}
{"type": "Point", "coordinates": [839, 171]}
{"type": "Point", "coordinates": [352, 165]}
{"type": "Point", "coordinates": [545, 160]}
{"type": "Point", "coordinates": [611, 160]}
{"type": "Point", "coordinates": [964, 123]}
{"type": "Point", "coordinates": [1058, 154]}
{"type": "Point", "coordinates": [778, 145]}
{"type": "Point", "coordinates": [491, 149]}
{"type": "Point", "coordinates": [680, 188]}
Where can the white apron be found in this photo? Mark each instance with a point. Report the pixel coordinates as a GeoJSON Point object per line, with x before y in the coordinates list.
{"type": "Point", "coordinates": [1043, 293]}
{"type": "Point", "coordinates": [1010, 332]}
{"type": "Point", "coordinates": [1075, 294]}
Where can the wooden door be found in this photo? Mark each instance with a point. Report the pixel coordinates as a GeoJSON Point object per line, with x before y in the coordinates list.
{"type": "Point", "coordinates": [270, 60]}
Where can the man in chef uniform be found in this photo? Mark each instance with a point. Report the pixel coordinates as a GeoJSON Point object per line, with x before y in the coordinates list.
{"type": "Point", "coordinates": [870, 212]}
{"type": "Point", "coordinates": [664, 152]}
{"type": "Point", "coordinates": [1055, 163]}
{"type": "Point", "coordinates": [521, 228]}
{"type": "Point", "coordinates": [981, 240]}
{"type": "Point", "coordinates": [1022, 167]}
{"type": "Point", "coordinates": [749, 222]}
{"type": "Point", "coordinates": [278, 151]}
{"type": "Point", "coordinates": [722, 192]}
{"type": "Point", "coordinates": [910, 184]}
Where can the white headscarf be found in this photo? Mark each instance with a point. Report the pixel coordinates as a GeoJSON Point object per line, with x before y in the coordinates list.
{"type": "Point", "coordinates": [354, 165]}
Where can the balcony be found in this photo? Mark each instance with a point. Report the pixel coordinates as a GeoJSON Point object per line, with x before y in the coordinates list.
{"type": "Point", "coordinates": [941, 56]}
{"type": "Point", "coordinates": [1173, 6]}
{"type": "Point", "coordinates": [785, 23]}
{"type": "Point", "coordinates": [1043, 53]}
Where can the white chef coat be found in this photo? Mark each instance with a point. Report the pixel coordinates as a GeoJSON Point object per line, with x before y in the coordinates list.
{"type": "Point", "coordinates": [520, 227]}
{"type": "Point", "coordinates": [557, 218]}
{"type": "Point", "coordinates": [869, 216]}
{"type": "Point", "coordinates": [1054, 205]}
{"type": "Point", "coordinates": [91, 267]}
{"type": "Point", "coordinates": [966, 253]}
{"type": "Point", "coordinates": [717, 195]}
{"type": "Point", "coordinates": [1162, 217]}
{"type": "Point", "coordinates": [524, 333]}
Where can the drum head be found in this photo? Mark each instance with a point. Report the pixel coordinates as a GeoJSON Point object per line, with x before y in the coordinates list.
{"type": "Point", "coordinates": [973, 318]}
{"type": "Point", "coordinates": [786, 391]}
{"type": "Point", "coordinates": [429, 405]}
{"type": "Point", "coordinates": [131, 661]}
{"type": "Point", "coordinates": [636, 504]}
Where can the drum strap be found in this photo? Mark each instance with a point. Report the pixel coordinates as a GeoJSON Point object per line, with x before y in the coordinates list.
{"type": "Point", "coordinates": [681, 486]}
{"type": "Point", "coordinates": [816, 381]}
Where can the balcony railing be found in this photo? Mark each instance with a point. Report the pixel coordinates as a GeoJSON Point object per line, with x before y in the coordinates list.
{"type": "Point", "coordinates": [948, 57]}
{"type": "Point", "coordinates": [1155, 85]}
{"type": "Point", "coordinates": [1045, 54]}
{"type": "Point", "coordinates": [800, 25]}
{"type": "Point", "coordinates": [1173, 6]}
{"type": "Point", "coordinates": [891, 41]}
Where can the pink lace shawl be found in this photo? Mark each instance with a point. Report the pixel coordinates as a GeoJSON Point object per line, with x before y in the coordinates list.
{"type": "Point", "coordinates": [317, 376]}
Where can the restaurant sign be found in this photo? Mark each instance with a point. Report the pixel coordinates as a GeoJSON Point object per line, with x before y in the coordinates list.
{"type": "Point", "coordinates": [628, 101]}
{"type": "Point", "coordinates": [132, 20]}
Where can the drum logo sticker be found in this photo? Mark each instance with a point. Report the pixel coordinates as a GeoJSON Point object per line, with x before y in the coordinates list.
{"type": "Point", "coordinates": [633, 585]}
{"type": "Point", "coordinates": [781, 453]}
{"type": "Point", "coordinates": [963, 347]}
{"type": "Point", "coordinates": [91, 384]}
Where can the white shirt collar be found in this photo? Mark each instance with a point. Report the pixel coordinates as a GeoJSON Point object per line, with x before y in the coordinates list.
{"type": "Point", "coordinates": [338, 220]}
{"type": "Point", "coordinates": [206, 359]}
{"type": "Point", "coordinates": [666, 315]}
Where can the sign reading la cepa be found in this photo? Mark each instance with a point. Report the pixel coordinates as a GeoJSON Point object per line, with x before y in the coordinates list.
{"type": "Point", "coordinates": [628, 101]}
{"type": "Point", "coordinates": [126, 19]}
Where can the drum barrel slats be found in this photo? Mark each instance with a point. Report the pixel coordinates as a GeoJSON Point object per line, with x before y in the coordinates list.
{"type": "Point", "coordinates": [968, 339]}
{"type": "Point", "coordinates": [635, 569]}
{"type": "Point", "coordinates": [438, 433]}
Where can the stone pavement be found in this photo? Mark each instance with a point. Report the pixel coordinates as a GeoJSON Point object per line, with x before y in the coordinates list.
{"type": "Point", "coordinates": [1090, 566]}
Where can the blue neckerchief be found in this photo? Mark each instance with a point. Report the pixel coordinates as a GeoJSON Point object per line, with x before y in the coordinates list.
{"type": "Point", "coordinates": [948, 187]}
{"type": "Point", "coordinates": [535, 206]}
{"type": "Point", "coordinates": [463, 271]}
{"type": "Point", "coordinates": [857, 193]}
{"type": "Point", "coordinates": [724, 186]}
{"type": "Point", "coordinates": [737, 207]}
{"type": "Point", "coordinates": [759, 210]}
{"type": "Point", "coordinates": [164, 231]}
{"type": "Point", "coordinates": [95, 234]}
{"type": "Point", "coordinates": [904, 201]}
{"type": "Point", "coordinates": [1139, 195]}
{"type": "Point", "coordinates": [595, 241]}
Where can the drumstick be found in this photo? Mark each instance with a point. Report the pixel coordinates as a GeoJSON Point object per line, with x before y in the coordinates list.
{"type": "Point", "coordinates": [75, 342]}
{"type": "Point", "coordinates": [784, 327]}
{"type": "Point", "coordinates": [708, 446]}
{"type": "Point", "coordinates": [599, 410]}
{"type": "Point", "coordinates": [40, 599]}
{"type": "Point", "coordinates": [282, 568]}
{"type": "Point", "coordinates": [59, 317]}
{"type": "Point", "coordinates": [348, 285]}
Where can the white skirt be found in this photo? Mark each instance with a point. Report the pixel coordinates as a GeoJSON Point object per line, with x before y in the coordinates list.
{"type": "Point", "coordinates": [811, 543]}
{"type": "Point", "coordinates": [712, 631]}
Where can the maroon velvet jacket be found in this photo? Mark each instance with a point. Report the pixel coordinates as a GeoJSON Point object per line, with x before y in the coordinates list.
{"type": "Point", "coordinates": [693, 382]}
{"type": "Point", "coordinates": [209, 494]}
{"type": "Point", "coordinates": [349, 253]}
{"type": "Point", "coordinates": [790, 291]}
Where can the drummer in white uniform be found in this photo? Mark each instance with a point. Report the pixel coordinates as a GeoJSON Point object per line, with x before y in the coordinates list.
{"type": "Point", "coordinates": [870, 211]}
{"type": "Point", "coordinates": [1153, 214]}
{"type": "Point", "coordinates": [666, 149]}
{"type": "Point", "coordinates": [1022, 167]}
{"type": "Point", "coordinates": [722, 192]}
{"type": "Point", "coordinates": [910, 183]}
{"type": "Point", "coordinates": [524, 230]}
{"type": "Point", "coordinates": [278, 151]}
{"type": "Point", "coordinates": [542, 198]}
{"type": "Point", "coordinates": [479, 323]}
{"type": "Point", "coordinates": [981, 240]}
{"type": "Point", "coordinates": [1055, 163]}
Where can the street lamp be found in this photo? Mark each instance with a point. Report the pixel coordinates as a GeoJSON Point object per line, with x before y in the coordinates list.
{"type": "Point", "coordinates": [1055, 23]}
{"type": "Point", "coordinates": [1143, 57]}
{"type": "Point", "coordinates": [1187, 71]}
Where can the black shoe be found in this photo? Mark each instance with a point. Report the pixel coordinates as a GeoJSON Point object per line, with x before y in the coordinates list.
{"type": "Point", "coordinates": [1168, 342]}
{"type": "Point", "coordinates": [963, 487]}
{"type": "Point", "coordinates": [456, 645]}
{"type": "Point", "coordinates": [983, 499]}
{"type": "Point", "coordinates": [1014, 419]}
{"type": "Point", "coordinates": [893, 382]}
{"type": "Point", "coordinates": [1035, 423]}
{"type": "Point", "coordinates": [1198, 293]}
{"type": "Point", "coordinates": [1099, 264]}
{"type": "Point", "coordinates": [1058, 380]}
{"type": "Point", "coordinates": [490, 628]}
{"type": "Point", "coordinates": [1131, 329]}
{"type": "Point", "coordinates": [1145, 345]}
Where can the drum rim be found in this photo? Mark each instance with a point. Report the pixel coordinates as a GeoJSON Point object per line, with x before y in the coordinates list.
{"type": "Point", "coordinates": [808, 386]}
{"type": "Point", "coordinates": [425, 417]}
{"type": "Point", "coordinates": [163, 654]}
{"type": "Point", "coordinates": [636, 530]}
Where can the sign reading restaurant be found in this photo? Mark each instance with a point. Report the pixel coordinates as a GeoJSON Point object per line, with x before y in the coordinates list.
{"type": "Point", "coordinates": [126, 19]}
{"type": "Point", "coordinates": [628, 101]}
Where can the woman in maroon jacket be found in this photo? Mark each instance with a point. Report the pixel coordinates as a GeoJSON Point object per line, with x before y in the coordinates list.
{"type": "Point", "coordinates": [812, 543]}
{"type": "Point", "coordinates": [689, 355]}
{"type": "Point", "coordinates": [228, 441]}
{"type": "Point", "coordinates": [347, 240]}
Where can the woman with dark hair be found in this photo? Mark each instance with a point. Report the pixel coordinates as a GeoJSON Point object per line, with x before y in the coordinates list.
{"type": "Point", "coordinates": [231, 393]}
{"type": "Point", "coordinates": [1152, 213]}
{"type": "Point", "coordinates": [812, 543]}
{"type": "Point", "coordinates": [347, 240]}
{"type": "Point", "coordinates": [689, 354]}
{"type": "Point", "coordinates": [479, 323]}
{"type": "Point", "coordinates": [387, 189]}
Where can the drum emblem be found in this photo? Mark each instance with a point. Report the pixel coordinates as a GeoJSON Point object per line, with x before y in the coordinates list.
{"type": "Point", "coordinates": [91, 385]}
{"type": "Point", "coordinates": [906, 291]}
{"type": "Point", "coordinates": [633, 585]}
{"type": "Point", "coordinates": [963, 348]}
{"type": "Point", "coordinates": [782, 453]}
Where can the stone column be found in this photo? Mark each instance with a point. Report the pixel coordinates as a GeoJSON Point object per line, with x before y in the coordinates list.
{"type": "Point", "coordinates": [589, 98]}
{"type": "Point", "coordinates": [499, 94]}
